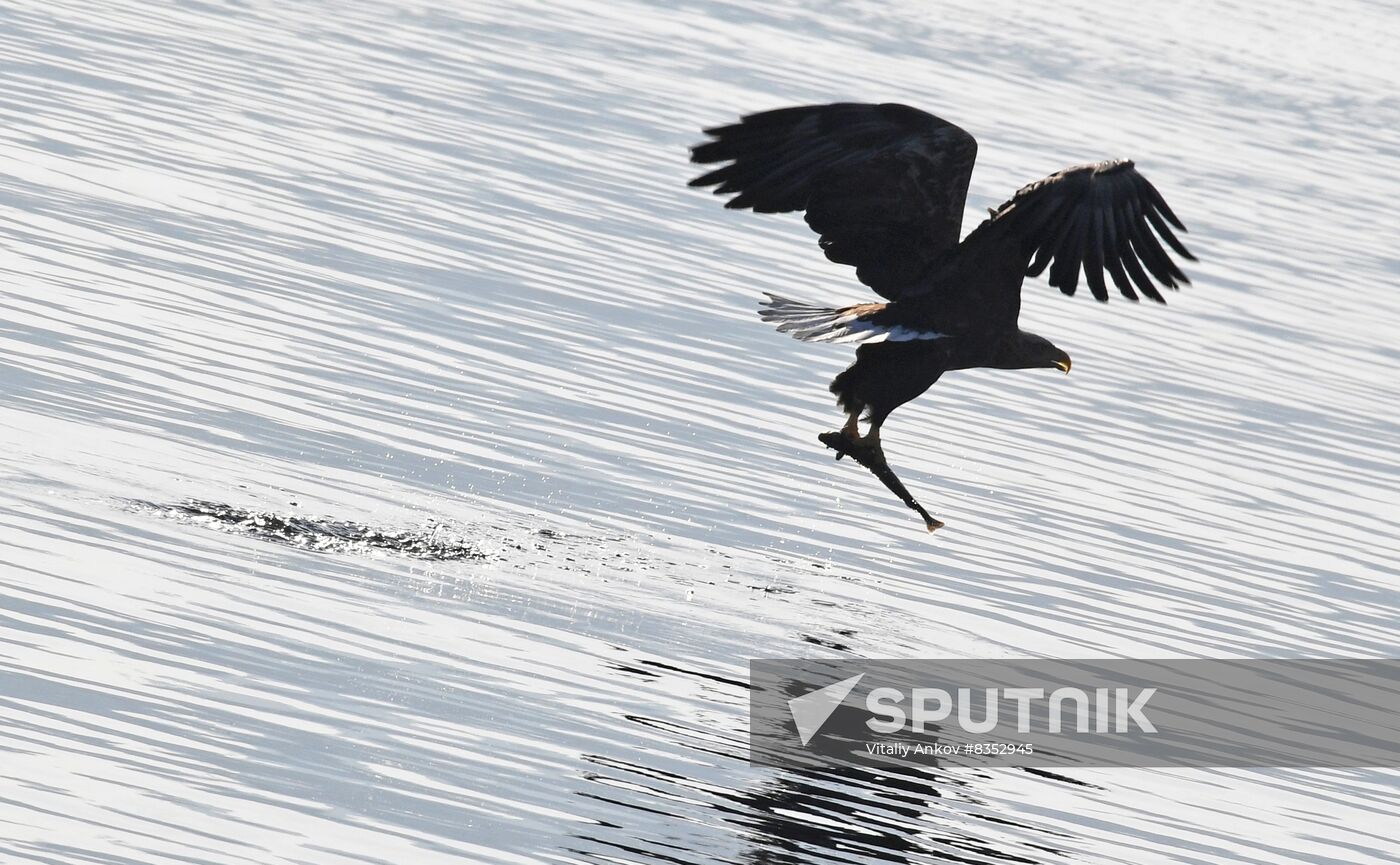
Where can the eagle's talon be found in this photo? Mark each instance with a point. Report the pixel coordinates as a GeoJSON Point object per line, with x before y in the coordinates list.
{"type": "Point", "coordinates": [845, 445]}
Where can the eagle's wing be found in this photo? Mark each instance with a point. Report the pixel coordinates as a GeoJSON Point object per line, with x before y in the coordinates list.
{"type": "Point", "coordinates": [1099, 217]}
{"type": "Point", "coordinates": [884, 185]}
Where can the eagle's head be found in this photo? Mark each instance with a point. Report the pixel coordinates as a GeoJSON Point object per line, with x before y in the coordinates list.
{"type": "Point", "coordinates": [1030, 351]}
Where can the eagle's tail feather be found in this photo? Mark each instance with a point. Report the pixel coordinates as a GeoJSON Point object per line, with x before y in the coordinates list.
{"type": "Point", "coordinates": [811, 323]}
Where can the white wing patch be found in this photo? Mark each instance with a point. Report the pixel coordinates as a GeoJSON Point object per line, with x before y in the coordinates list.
{"type": "Point", "coordinates": [811, 323]}
{"type": "Point", "coordinates": [904, 334]}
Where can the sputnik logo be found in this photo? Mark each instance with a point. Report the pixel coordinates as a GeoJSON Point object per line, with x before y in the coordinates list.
{"type": "Point", "coordinates": [811, 710]}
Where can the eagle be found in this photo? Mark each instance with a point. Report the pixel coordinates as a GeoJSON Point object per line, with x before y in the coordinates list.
{"type": "Point", "coordinates": [884, 187]}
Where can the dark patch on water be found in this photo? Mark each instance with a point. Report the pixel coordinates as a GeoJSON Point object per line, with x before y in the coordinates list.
{"type": "Point", "coordinates": [432, 542]}
{"type": "Point", "coordinates": [825, 643]}
{"type": "Point", "coordinates": [659, 665]}
{"type": "Point", "coordinates": [1055, 776]}
{"type": "Point", "coordinates": [636, 671]}
{"type": "Point", "coordinates": [774, 589]}
{"type": "Point", "coordinates": [900, 815]}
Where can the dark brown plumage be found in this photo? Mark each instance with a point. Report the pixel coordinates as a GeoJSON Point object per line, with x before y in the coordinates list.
{"type": "Point", "coordinates": [885, 186]}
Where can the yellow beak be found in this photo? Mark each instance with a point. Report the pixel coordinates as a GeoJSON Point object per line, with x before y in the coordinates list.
{"type": "Point", "coordinates": [1063, 364]}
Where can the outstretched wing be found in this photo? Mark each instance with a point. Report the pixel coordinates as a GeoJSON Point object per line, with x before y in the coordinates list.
{"type": "Point", "coordinates": [884, 185]}
{"type": "Point", "coordinates": [1100, 217]}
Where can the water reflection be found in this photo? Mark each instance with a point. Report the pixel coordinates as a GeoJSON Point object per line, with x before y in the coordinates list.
{"type": "Point", "coordinates": [788, 816]}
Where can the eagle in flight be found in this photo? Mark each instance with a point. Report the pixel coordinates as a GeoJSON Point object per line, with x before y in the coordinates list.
{"type": "Point", "coordinates": [884, 186]}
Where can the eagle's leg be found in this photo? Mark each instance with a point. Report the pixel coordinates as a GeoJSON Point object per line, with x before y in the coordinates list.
{"type": "Point", "coordinates": [872, 432]}
{"type": "Point", "coordinates": [875, 420]}
{"type": "Point", "coordinates": [884, 377]}
{"type": "Point", "coordinates": [849, 440]}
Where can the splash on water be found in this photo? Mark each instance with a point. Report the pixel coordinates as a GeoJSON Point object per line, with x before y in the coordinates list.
{"type": "Point", "coordinates": [432, 541]}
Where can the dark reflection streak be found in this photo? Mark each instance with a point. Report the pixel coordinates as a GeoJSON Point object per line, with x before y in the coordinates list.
{"type": "Point", "coordinates": [808, 793]}
{"type": "Point", "coordinates": [878, 817]}
{"type": "Point", "coordinates": [798, 817]}
{"type": "Point", "coordinates": [1055, 776]}
{"type": "Point", "coordinates": [630, 849]}
{"type": "Point", "coordinates": [1005, 822]}
{"type": "Point", "coordinates": [713, 678]}
{"type": "Point", "coordinates": [629, 805]}
{"type": "Point", "coordinates": [624, 668]}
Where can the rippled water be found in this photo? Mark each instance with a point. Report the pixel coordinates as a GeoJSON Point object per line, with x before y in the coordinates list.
{"type": "Point", "coordinates": [417, 269]}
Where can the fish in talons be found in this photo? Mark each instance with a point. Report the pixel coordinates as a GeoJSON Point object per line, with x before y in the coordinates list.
{"type": "Point", "coordinates": [866, 450]}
